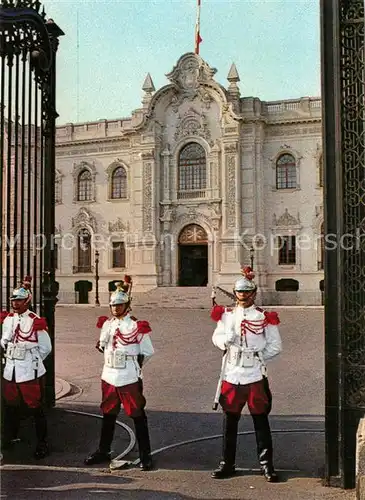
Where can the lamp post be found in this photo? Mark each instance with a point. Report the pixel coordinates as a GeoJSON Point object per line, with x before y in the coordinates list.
{"type": "Point", "coordinates": [252, 254]}
{"type": "Point", "coordinates": [97, 303]}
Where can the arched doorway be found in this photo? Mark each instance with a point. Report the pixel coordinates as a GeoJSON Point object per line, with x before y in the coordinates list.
{"type": "Point", "coordinates": [193, 256]}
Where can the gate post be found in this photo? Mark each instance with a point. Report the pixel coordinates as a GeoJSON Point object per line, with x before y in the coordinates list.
{"type": "Point", "coordinates": [50, 286]}
{"type": "Point", "coordinates": [342, 41]}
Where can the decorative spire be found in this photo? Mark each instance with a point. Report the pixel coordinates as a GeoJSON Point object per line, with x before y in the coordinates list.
{"type": "Point", "coordinates": [233, 78]}
{"type": "Point", "coordinates": [148, 84]}
{"type": "Point", "coordinates": [148, 87]}
{"type": "Point", "coordinates": [233, 75]}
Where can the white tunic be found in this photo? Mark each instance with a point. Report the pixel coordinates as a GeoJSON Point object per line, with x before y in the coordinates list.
{"type": "Point", "coordinates": [110, 341]}
{"type": "Point", "coordinates": [265, 341]}
{"type": "Point", "coordinates": [31, 366]}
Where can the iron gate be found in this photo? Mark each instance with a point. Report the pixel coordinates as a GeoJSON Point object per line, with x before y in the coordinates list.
{"type": "Point", "coordinates": [28, 46]}
{"type": "Point", "coordinates": [343, 83]}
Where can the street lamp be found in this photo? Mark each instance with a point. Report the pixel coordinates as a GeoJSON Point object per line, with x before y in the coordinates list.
{"type": "Point", "coordinates": [252, 254]}
{"type": "Point", "coordinates": [97, 303]}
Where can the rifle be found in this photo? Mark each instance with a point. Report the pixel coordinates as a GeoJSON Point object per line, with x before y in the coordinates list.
{"type": "Point", "coordinates": [220, 380]}
{"type": "Point", "coordinates": [228, 294]}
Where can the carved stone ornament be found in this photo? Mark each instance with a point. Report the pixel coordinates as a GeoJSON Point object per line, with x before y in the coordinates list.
{"type": "Point", "coordinates": [230, 148]}
{"type": "Point", "coordinates": [148, 155]}
{"type": "Point", "coordinates": [84, 218]}
{"type": "Point", "coordinates": [192, 123]}
{"type": "Point", "coordinates": [216, 209]}
{"type": "Point", "coordinates": [118, 226]}
{"type": "Point", "coordinates": [167, 213]}
{"type": "Point", "coordinates": [190, 71]}
{"type": "Point", "coordinates": [231, 210]}
{"type": "Point", "coordinates": [147, 197]}
{"type": "Point", "coordinates": [286, 220]}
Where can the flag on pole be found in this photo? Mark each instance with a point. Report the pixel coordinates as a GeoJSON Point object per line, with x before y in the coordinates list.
{"type": "Point", "coordinates": [198, 38]}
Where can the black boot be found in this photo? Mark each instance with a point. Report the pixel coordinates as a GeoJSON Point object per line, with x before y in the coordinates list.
{"type": "Point", "coordinates": [227, 466]}
{"type": "Point", "coordinates": [264, 447]}
{"type": "Point", "coordinates": [102, 454]}
{"type": "Point", "coordinates": [42, 449]}
{"type": "Point", "coordinates": [143, 440]}
{"type": "Point", "coordinates": [11, 426]}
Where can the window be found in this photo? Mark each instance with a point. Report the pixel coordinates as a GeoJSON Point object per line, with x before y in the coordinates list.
{"type": "Point", "coordinates": [321, 254]}
{"type": "Point", "coordinates": [320, 165]}
{"type": "Point", "coordinates": [119, 183]}
{"type": "Point", "coordinates": [286, 285]}
{"type": "Point", "coordinates": [286, 174]}
{"type": "Point", "coordinates": [118, 254]}
{"type": "Point", "coordinates": [84, 186]}
{"type": "Point", "coordinates": [84, 251]}
{"type": "Point", "coordinates": [55, 255]}
{"type": "Point", "coordinates": [287, 250]}
{"type": "Point", "coordinates": [58, 196]}
{"type": "Point", "coordinates": [192, 168]}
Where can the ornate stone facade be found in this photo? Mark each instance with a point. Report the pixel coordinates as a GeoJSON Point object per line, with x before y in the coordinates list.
{"type": "Point", "coordinates": [232, 192]}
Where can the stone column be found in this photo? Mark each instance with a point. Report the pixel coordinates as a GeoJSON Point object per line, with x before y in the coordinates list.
{"type": "Point", "coordinates": [231, 223]}
{"type": "Point", "coordinates": [215, 173]}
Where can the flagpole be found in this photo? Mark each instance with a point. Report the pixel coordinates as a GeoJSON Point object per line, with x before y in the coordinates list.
{"type": "Point", "coordinates": [198, 38]}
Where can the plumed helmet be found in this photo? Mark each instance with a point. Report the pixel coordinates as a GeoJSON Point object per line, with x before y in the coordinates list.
{"type": "Point", "coordinates": [246, 283]}
{"type": "Point", "coordinates": [122, 294]}
{"type": "Point", "coordinates": [23, 292]}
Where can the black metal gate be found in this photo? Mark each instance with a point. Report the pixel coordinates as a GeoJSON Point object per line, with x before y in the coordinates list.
{"type": "Point", "coordinates": [28, 46]}
{"type": "Point", "coordinates": [343, 83]}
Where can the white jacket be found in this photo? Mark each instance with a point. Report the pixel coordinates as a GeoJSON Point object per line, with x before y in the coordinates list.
{"type": "Point", "coordinates": [110, 339]}
{"type": "Point", "coordinates": [36, 341]}
{"type": "Point", "coordinates": [252, 328]}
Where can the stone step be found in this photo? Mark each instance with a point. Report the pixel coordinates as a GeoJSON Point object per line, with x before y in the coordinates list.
{"type": "Point", "coordinates": [179, 297]}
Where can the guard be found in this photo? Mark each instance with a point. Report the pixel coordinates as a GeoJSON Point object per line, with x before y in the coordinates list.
{"type": "Point", "coordinates": [126, 345]}
{"type": "Point", "coordinates": [26, 344]}
{"type": "Point", "coordinates": [249, 337]}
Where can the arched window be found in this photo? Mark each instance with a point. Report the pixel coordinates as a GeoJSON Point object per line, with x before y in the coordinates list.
{"type": "Point", "coordinates": [84, 186]}
{"type": "Point", "coordinates": [83, 251]}
{"type": "Point", "coordinates": [286, 173]}
{"type": "Point", "coordinates": [119, 183]}
{"type": "Point", "coordinates": [320, 166]}
{"type": "Point", "coordinates": [192, 171]}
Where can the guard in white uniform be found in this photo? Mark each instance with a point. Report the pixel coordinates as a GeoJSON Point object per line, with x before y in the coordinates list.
{"type": "Point", "coordinates": [126, 344]}
{"type": "Point", "coordinates": [249, 336]}
{"type": "Point", "coordinates": [26, 344]}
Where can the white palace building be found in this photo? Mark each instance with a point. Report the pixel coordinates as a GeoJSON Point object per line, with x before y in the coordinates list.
{"type": "Point", "coordinates": [196, 182]}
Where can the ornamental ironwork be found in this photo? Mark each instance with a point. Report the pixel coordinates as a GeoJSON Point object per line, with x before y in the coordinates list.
{"type": "Point", "coordinates": [28, 46]}
{"type": "Point", "coordinates": [343, 85]}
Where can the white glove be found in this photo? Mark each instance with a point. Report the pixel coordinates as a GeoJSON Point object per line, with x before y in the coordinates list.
{"type": "Point", "coordinates": [4, 343]}
{"type": "Point", "coordinates": [230, 337]}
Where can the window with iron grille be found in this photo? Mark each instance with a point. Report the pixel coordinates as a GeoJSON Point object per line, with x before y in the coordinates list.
{"type": "Point", "coordinates": [287, 250]}
{"type": "Point", "coordinates": [286, 172]}
{"type": "Point", "coordinates": [119, 183]}
{"type": "Point", "coordinates": [84, 251]}
{"type": "Point", "coordinates": [84, 186]}
{"type": "Point", "coordinates": [58, 197]}
{"type": "Point", "coordinates": [192, 168]}
{"type": "Point", "coordinates": [118, 254]}
{"type": "Point", "coordinates": [321, 171]}
{"type": "Point", "coordinates": [321, 256]}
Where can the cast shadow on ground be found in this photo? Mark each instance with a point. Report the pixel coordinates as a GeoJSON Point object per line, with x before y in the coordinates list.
{"type": "Point", "coordinates": [180, 442]}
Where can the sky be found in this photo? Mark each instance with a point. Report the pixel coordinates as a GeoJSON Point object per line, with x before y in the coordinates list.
{"type": "Point", "coordinates": [110, 45]}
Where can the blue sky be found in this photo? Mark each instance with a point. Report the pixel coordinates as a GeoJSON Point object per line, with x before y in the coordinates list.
{"type": "Point", "coordinates": [274, 44]}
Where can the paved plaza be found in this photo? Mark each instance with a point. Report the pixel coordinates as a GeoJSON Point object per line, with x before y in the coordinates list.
{"type": "Point", "coordinates": [180, 382]}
